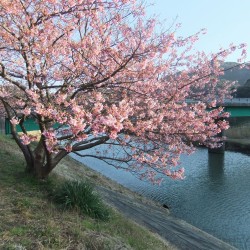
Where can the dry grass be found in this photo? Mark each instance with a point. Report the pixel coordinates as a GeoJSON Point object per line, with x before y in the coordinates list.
{"type": "Point", "coordinates": [29, 220]}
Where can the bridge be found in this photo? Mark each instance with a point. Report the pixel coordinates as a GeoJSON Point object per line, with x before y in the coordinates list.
{"type": "Point", "coordinates": [237, 107]}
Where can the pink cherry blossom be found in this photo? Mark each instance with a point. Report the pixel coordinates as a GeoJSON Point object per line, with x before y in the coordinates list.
{"type": "Point", "coordinates": [25, 139]}
{"type": "Point", "coordinates": [27, 111]}
{"type": "Point", "coordinates": [14, 121]}
{"type": "Point", "coordinates": [94, 73]}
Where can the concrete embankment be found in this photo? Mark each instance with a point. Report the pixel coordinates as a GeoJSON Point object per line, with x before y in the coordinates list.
{"type": "Point", "coordinates": [178, 232]}
{"type": "Point", "coordinates": [239, 145]}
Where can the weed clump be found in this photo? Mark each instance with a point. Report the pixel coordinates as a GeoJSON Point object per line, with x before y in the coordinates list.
{"type": "Point", "coordinates": [81, 195]}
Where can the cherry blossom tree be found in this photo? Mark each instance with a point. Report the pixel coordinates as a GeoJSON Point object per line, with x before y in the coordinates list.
{"type": "Point", "coordinates": [98, 72]}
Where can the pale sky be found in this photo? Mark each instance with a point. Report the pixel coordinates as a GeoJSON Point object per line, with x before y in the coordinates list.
{"type": "Point", "coordinates": [226, 21]}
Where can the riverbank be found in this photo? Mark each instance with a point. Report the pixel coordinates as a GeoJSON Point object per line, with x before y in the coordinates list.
{"type": "Point", "coordinates": [30, 221]}
{"type": "Point", "coordinates": [146, 212]}
{"type": "Point", "coordinates": [238, 145]}
{"type": "Point", "coordinates": [238, 138]}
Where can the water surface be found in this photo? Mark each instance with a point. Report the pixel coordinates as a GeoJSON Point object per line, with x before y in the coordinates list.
{"type": "Point", "coordinates": [214, 196]}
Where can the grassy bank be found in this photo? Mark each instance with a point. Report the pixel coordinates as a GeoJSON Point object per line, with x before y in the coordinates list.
{"type": "Point", "coordinates": [238, 132]}
{"type": "Point", "coordinates": [30, 220]}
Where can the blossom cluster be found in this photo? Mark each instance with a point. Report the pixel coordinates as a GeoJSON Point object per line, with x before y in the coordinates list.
{"type": "Point", "coordinates": [103, 73]}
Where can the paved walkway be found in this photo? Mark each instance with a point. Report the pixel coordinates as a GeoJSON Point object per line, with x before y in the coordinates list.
{"type": "Point", "coordinates": [157, 219]}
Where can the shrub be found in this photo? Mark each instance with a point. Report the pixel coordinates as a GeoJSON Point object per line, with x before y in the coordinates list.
{"type": "Point", "coordinates": [81, 195]}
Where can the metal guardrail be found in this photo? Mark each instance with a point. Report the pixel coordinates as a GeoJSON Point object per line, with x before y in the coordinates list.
{"type": "Point", "coordinates": [229, 102]}
{"type": "Point", "coordinates": [237, 100]}
{"type": "Point", "coordinates": [243, 102]}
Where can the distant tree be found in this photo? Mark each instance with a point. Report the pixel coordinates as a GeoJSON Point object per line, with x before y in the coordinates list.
{"type": "Point", "coordinates": [98, 73]}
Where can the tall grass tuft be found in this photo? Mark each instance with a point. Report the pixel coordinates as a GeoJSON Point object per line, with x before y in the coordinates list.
{"type": "Point", "coordinates": [81, 195]}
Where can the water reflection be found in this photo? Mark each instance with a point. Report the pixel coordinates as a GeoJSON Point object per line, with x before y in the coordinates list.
{"type": "Point", "coordinates": [216, 166]}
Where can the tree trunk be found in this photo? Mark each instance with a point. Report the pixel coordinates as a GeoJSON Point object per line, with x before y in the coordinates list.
{"type": "Point", "coordinates": [37, 169]}
{"type": "Point", "coordinates": [42, 166]}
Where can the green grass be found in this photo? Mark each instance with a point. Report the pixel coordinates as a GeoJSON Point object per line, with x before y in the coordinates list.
{"type": "Point", "coordinates": [81, 195]}
{"type": "Point", "coordinates": [30, 220]}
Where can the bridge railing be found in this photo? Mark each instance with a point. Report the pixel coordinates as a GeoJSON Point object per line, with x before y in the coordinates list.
{"type": "Point", "coordinates": [229, 102]}
{"type": "Point", "coordinates": [237, 100]}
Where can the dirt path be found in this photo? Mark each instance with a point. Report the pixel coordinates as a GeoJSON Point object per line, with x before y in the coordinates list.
{"type": "Point", "coordinates": [176, 231]}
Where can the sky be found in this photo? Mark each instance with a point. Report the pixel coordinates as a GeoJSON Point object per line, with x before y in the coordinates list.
{"type": "Point", "coordinates": [226, 21]}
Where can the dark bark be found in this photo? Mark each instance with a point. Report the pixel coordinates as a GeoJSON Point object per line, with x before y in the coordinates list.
{"type": "Point", "coordinates": [39, 162]}
{"type": "Point", "coordinates": [41, 167]}
{"type": "Point", "coordinates": [43, 162]}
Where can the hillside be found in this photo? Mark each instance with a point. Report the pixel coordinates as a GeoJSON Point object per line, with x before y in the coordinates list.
{"type": "Point", "coordinates": [236, 73]}
{"type": "Point", "coordinates": [30, 220]}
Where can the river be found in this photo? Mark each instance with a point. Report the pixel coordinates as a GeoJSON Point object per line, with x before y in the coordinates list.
{"type": "Point", "coordinates": [214, 196]}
